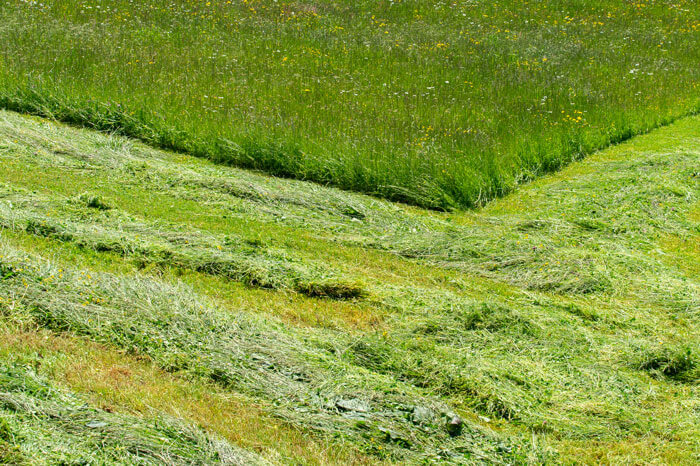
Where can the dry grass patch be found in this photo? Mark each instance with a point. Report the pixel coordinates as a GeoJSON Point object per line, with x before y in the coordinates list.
{"type": "Point", "coordinates": [117, 382]}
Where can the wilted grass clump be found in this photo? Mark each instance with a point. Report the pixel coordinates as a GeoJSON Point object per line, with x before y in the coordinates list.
{"type": "Point", "coordinates": [10, 452]}
{"type": "Point", "coordinates": [45, 229]}
{"type": "Point", "coordinates": [5, 432]}
{"type": "Point", "coordinates": [677, 363]}
{"type": "Point", "coordinates": [334, 289]}
{"type": "Point", "coordinates": [93, 201]}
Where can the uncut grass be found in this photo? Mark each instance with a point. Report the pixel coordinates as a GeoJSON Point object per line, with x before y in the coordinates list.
{"type": "Point", "coordinates": [437, 104]}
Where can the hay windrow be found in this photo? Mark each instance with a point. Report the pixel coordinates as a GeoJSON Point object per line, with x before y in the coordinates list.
{"type": "Point", "coordinates": [183, 334]}
{"type": "Point", "coordinates": [167, 245]}
{"type": "Point", "coordinates": [40, 424]}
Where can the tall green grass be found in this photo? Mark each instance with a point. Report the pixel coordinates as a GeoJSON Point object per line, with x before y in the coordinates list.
{"type": "Point", "coordinates": [439, 104]}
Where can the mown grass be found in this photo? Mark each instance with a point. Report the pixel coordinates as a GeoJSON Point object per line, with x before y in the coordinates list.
{"type": "Point", "coordinates": [90, 223]}
{"type": "Point", "coordinates": [558, 312]}
{"type": "Point", "coordinates": [439, 104]}
{"type": "Point", "coordinates": [40, 424]}
{"type": "Point", "coordinates": [298, 375]}
{"type": "Point", "coordinates": [119, 383]}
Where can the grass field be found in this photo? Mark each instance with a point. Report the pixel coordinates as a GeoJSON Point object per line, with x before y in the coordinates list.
{"type": "Point", "coordinates": [439, 104]}
{"type": "Point", "coordinates": [559, 324]}
{"type": "Point", "coordinates": [236, 232]}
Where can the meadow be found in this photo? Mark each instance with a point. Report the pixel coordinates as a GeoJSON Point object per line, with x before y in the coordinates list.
{"type": "Point", "coordinates": [433, 103]}
{"type": "Point", "coordinates": [557, 325]}
{"type": "Point", "coordinates": [288, 232]}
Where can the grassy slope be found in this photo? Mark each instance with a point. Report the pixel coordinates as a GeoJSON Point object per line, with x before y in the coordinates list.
{"type": "Point", "coordinates": [562, 320]}
{"type": "Point", "coordinates": [434, 103]}
{"type": "Point", "coordinates": [115, 382]}
{"type": "Point", "coordinates": [40, 424]}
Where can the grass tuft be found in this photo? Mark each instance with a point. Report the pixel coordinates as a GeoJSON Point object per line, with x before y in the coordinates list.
{"type": "Point", "coordinates": [679, 364]}
{"type": "Point", "coordinates": [333, 289]}
{"type": "Point", "coordinates": [93, 201]}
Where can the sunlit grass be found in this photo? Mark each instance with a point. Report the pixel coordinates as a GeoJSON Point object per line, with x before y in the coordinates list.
{"type": "Point", "coordinates": [435, 103]}
{"type": "Point", "coordinates": [566, 311]}
{"type": "Point", "coordinates": [116, 382]}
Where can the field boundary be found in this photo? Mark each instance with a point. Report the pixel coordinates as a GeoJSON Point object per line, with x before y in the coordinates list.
{"type": "Point", "coordinates": [272, 158]}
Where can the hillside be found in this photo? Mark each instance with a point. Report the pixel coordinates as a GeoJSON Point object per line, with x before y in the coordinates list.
{"type": "Point", "coordinates": [158, 307]}
{"type": "Point", "coordinates": [433, 103]}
